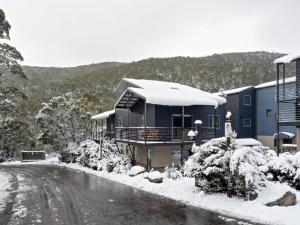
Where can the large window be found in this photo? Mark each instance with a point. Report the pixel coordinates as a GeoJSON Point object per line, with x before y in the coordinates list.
{"type": "Point", "coordinates": [214, 119]}
{"type": "Point", "coordinates": [247, 100]}
{"type": "Point", "coordinates": [177, 121]}
{"type": "Point", "coordinates": [246, 122]}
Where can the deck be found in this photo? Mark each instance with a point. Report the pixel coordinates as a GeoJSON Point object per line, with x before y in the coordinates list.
{"type": "Point", "coordinates": [159, 135]}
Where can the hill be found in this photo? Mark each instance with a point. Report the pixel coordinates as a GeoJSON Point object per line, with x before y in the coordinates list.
{"type": "Point", "coordinates": [97, 81]}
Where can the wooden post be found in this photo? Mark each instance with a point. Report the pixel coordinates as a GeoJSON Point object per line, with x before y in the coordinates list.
{"type": "Point", "coordinates": [96, 130]}
{"type": "Point", "coordinates": [277, 116]}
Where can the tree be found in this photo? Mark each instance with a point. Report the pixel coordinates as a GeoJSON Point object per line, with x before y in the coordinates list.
{"type": "Point", "coordinates": [14, 131]}
{"type": "Point", "coordinates": [9, 55]}
{"type": "Point", "coordinates": [64, 119]}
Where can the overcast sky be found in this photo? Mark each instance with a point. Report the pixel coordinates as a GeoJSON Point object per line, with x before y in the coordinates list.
{"type": "Point", "coordinates": [75, 32]}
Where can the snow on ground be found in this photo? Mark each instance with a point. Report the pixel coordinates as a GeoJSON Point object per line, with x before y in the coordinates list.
{"type": "Point", "coordinates": [4, 189]}
{"type": "Point", "coordinates": [184, 190]}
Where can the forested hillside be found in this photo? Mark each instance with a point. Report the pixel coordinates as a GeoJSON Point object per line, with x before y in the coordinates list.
{"type": "Point", "coordinates": [97, 81]}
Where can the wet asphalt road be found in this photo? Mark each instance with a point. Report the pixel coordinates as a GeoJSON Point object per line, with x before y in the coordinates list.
{"type": "Point", "coordinates": [50, 195]}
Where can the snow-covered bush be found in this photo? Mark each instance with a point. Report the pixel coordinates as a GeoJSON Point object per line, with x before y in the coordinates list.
{"type": "Point", "coordinates": [247, 171]}
{"type": "Point", "coordinates": [210, 165]}
{"type": "Point", "coordinates": [286, 168]}
{"type": "Point", "coordinates": [236, 170]}
{"type": "Point", "coordinates": [173, 173]}
{"type": "Point", "coordinates": [88, 153]}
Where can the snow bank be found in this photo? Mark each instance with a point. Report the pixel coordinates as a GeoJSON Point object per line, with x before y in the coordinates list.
{"type": "Point", "coordinates": [4, 186]}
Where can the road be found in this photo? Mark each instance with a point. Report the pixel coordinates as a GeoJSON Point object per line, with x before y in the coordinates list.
{"type": "Point", "coordinates": [51, 195]}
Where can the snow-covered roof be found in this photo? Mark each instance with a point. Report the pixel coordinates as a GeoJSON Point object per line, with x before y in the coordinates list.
{"type": "Point", "coordinates": [103, 115]}
{"type": "Point", "coordinates": [232, 91]}
{"type": "Point", "coordinates": [172, 94]}
{"type": "Point", "coordinates": [288, 58]}
{"type": "Point", "coordinates": [273, 83]}
{"type": "Point", "coordinates": [247, 142]}
{"type": "Point", "coordinates": [284, 135]}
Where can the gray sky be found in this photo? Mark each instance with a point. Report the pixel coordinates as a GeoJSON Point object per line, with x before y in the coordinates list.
{"type": "Point", "coordinates": [75, 32]}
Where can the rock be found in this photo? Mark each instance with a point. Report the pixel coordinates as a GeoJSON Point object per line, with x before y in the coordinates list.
{"type": "Point", "coordinates": [288, 199]}
{"type": "Point", "coordinates": [155, 177]}
{"type": "Point", "coordinates": [136, 170]}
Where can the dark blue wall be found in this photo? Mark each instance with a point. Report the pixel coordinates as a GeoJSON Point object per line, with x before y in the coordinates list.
{"type": "Point", "coordinates": [240, 112]}
{"type": "Point", "coordinates": [163, 115]}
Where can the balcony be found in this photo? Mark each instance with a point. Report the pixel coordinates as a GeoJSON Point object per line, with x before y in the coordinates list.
{"type": "Point", "coordinates": [160, 135]}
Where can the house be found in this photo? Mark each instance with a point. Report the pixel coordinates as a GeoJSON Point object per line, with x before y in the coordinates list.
{"type": "Point", "coordinates": [288, 94]}
{"type": "Point", "coordinates": [241, 103]}
{"type": "Point", "coordinates": [152, 120]}
{"type": "Point", "coordinates": [254, 108]}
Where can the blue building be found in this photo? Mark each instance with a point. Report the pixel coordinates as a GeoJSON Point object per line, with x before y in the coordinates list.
{"type": "Point", "coordinates": [153, 119]}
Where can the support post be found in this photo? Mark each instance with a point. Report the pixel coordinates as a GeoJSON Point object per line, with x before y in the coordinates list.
{"type": "Point", "coordinates": [127, 104]}
{"type": "Point", "coordinates": [215, 123]}
{"type": "Point", "coordinates": [96, 130]}
{"type": "Point", "coordinates": [92, 130]}
{"type": "Point", "coordinates": [182, 138]}
{"type": "Point", "coordinates": [277, 115]}
{"type": "Point", "coordinates": [101, 141]}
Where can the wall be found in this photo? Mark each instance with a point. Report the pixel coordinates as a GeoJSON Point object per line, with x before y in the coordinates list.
{"type": "Point", "coordinates": [164, 115]}
{"type": "Point", "coordinates": [232, 105]}
{"type": "Point", "coordinates": [121, 88]}
{"type": "Point", "coordinates": [265, 99]}
{"type": "Point", "coordinates": [247, 112]}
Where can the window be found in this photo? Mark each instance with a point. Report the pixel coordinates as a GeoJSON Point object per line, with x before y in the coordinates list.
{"type": "Point", "coordinates": [247, 100]}
{"type": "Point", "coordinates": [177, 121]}
{"type": "Point", "coordinates": [287, 141]}
{"type": "Point", "coordinates": [214, 119]}
{"type": "Point", "coordinates": [246, 122]}
{"type": "Point", "coordinates": [268, 112]}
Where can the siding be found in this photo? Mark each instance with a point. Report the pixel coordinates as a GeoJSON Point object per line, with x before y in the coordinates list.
{"type": "Point", "coordinates": [265, 99]}
{"type": "Point", "coordinates": [247, 112]}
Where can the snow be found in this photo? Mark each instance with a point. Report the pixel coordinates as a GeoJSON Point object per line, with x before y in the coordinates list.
{"type": "Point", "coordinates": [290, 145]}
{"type": "Point", "coordinates": [284, 134]}
{"type": "Point", "coordinates": [191, 133]}
{"type": "Point", "coordinates": [172, 94]}
{"type": "Point", "coordinates": [4, 186]}
{"type": "Point", "coordinates": [155, 175]}
{"type": "Point", "coordinates": [135, 170]}
{"type": "Point", "coordinates": [273, 83]}
{"type": "Point", "coordinates": [103, 115]}
{"type": "Point", "coordinates": [228, 115]}
{"type": "Point", "coordinates": [232, 91]}
{"type": "Point", "coordinates": [247, 142]}
{"type": "Point", "coordinates": [288, 58]}
{"type": "Point", "coordinates": [197, 122]}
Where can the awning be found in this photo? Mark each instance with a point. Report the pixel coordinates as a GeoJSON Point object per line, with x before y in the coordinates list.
{"type": "Point", "coordinates": [103, 115]}
{"type": "Point", "coordinates": [284, 135]}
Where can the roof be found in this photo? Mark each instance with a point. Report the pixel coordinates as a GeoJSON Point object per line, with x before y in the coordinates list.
{"type": "Point", "coordinates": [274, 82]}
{"type": "Point", "coordinates": [247, 142]}
{"type": "Point", "coordinates": [288, 58]}
{"type": "Point", "coordinates": [103, 115]}
{"type": "Point", "coordinates": [232, 91]}
{"type": "Point", "coordinates": [171, 94]}
{"type": "Point", "coordinates": [284, 135]}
